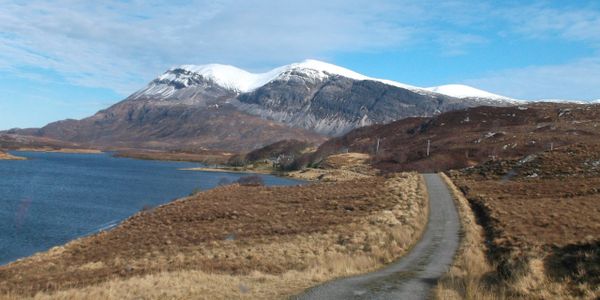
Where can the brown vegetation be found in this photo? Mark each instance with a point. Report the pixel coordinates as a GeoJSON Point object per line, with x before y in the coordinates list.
{"type": "Point", "coordinates": [8, 156]}
{"type": "Point", "coordinates": [338, 167]}
{"type": "Point", "coordinates": [470, 272]}
{"type": "Point", "coordinates": [468, 137]}
{"type": "Point", "coordinates": [203, 156]}
{"type": "Point", "coordinates": [42, 144]}
{"type": "Point", "coordinates": [234, 242]}
{"type": "Point", "coordinates": [541, 217]}
{"type": "Point", "coordinates": [154, 125]}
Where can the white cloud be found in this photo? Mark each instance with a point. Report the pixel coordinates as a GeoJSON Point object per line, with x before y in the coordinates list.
{"type": "Point", "coordinates": [541, 21]}
{"type": "Point", "coordinates": [578, 79]}
{"type": "Point", "coordinates": [121, 45]}
{"type": "Point", "coordinates": [581, 78]}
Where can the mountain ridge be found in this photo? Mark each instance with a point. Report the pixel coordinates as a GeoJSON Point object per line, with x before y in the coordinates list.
{"type": "Point", "coordinates": [240, 80]}
{"type": "Point", "coordinates": [226, 108]}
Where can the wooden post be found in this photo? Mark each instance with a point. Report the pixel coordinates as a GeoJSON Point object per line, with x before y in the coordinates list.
{"type": "Point", "coordinates": [377, 147]}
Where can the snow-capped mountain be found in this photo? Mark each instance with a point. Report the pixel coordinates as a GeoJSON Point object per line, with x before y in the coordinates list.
{"type": "Point", "coordinates": [242, 81]}
{"type": "Point", "coordinates": [224, 107]}
{"type": "Point", "coordinates": [313, 95]}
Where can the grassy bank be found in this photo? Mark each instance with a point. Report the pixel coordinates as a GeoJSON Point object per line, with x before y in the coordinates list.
{"type": "Point", "coordinates": [234, 242]}
{"type": "Point", "coordinates": [466, 278]}
{"type": "Point", "coordinates": [538, 227]}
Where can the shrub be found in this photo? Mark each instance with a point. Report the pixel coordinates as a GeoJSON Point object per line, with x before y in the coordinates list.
{"type": "Point", "coordinates": [237, 161]}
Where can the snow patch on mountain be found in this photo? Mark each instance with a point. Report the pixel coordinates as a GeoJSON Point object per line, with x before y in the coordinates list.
{"type": "Point", "coordinates": [464, 91]}
{"type": "Point", "coordinates": [566, 101]}
{"type": "Point", "coordinates": [225, 76]}
{"type": "Point", "coordinates": [242, 81]}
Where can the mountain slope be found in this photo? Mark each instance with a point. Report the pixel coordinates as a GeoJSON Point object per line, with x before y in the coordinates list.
{"type": "Point", "coordinates": [180, 127]}
{"type": "Point", "coordinates": [223, 107]}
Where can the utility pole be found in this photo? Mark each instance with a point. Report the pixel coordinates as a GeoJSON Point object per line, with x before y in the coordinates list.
{"type": "Point", "coordinates": [428, 146]}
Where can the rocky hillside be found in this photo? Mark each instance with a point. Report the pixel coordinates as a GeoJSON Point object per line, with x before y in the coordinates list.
{"type": "Point", "coordinates": [223, 107]}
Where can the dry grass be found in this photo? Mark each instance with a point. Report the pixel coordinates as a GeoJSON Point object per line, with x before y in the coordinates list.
{"type": "Point", "coordinates": [350, 229]}
{"type": "Point", "coordinates": [539, 239]}
{"type": "Point", "coordinates": [467, 275]}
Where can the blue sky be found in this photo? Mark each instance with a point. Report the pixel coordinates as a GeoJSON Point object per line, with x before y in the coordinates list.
{"type": "Point", "coordinates": [67, 59]}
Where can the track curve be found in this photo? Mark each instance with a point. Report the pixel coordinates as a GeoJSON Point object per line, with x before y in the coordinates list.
{"type": "Point", "coordinates": [415, 274]}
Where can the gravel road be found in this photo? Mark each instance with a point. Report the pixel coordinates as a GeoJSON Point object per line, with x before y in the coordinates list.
{"type": "Point", "coordinates": [415, 274]}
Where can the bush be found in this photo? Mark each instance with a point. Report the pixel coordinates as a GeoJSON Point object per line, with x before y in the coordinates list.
{"type": "Point", "coordinates": [237, 161]}
{"type": "Point", "coordinates": [251, 180]}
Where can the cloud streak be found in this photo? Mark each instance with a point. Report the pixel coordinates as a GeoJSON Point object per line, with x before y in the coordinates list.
{"type": "Point", "coordinates": [546, 82]}
{"type": "Point", "coordinates": [120, 45]}
{"type": "Point", "coordinates": [578, 79]}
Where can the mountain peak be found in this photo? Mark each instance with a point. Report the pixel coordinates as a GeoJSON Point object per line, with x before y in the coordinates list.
{"type": "Point", "coordinates": [226, 76]}
{"type": "Point", "coordinates": [242, 81]}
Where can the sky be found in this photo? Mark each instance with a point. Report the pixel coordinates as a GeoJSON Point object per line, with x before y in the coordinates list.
{"type": "Point", "coordinates": [68, 59]}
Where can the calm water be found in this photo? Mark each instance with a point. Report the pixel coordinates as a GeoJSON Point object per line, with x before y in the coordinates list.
{"type": "Point", "coordinates": [54, 197]}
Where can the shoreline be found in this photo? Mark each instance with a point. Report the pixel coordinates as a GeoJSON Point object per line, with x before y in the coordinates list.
{"type": "Point", "coordinates": [61, 150]}
{"type": "Point", "coordinates": [227, 250]}
{"type": "Point", "coordinates": [8, 156]}
{"type": "Point", "coordinates": [233, 170]}
{"type": "Point", "coordinates": [205, 158]}
{"type": "Point", "coordinates": [308, 175]}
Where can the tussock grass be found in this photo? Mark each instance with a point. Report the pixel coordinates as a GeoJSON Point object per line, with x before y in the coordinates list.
{"type": "Point", "coordinates": [467, 275]}
{"type": "Point", "coordinates": [473, 276]}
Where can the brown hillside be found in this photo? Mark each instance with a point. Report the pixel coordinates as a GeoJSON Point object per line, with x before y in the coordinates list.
{"type": "Point", "coordinates": [541, 216]}
{"type": "Point", "coordinates": [470, 137]}
{"type": "Point", "coordinates": [134, 124]}
{"type": "Point", "coordinates": [14, 141]}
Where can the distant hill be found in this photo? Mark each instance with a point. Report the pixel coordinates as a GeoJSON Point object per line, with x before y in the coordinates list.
{"type": "Point", "coordinates": [469, 137]}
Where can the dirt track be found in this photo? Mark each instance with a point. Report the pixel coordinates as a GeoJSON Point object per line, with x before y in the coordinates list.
{"type": "Point", "coordinates": [413, 276]}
